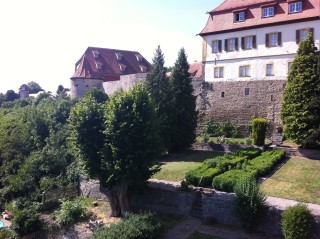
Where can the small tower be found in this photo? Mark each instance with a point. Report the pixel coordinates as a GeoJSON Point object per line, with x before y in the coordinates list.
{"type": "Point", "coordinates": [24, 91]}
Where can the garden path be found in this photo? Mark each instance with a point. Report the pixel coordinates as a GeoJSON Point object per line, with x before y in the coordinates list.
{"type": "Point", "coordinates": [183, 230]}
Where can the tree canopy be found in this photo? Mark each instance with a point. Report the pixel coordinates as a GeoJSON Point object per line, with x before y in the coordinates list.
{"type": "Point", "coordinates": [34, 87]}
{"type": "Point", "coordinates": [300, 110]}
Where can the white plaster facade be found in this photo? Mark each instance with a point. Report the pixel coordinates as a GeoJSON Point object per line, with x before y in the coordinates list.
{"type": "Point", "coordinates": [257, 58]}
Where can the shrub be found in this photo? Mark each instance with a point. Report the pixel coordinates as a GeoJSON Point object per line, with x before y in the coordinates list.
{"type": "Point", "coordinates": [26, 221]}
{"type": "Point", "coordinates": [249, 152]}
{"type": "Point", "coordinates": [71, 211]}
{"type": "Point", "coordinates": [211, 128]}
{"type": "Point", "coordinates": [7, 234]}
{"type": "Point", "coordinates": [202, 176]}
{"type": "Point", "coordinates": [263, 164]}
{"type": "Point", "coordinates": [226, 181]}
{"type": "Point", "coordinates": [205, 138]}
{"type": "Point", "coordinates": [135, 226]}
{"type": "Point", "coordinates": [259, 127]}
{"type": "Point", "coordinates": [296, 222]}
{"type": "Point", "coordinates": [250, 203]}
{"type": "Point", "coordinates": [225, 128]}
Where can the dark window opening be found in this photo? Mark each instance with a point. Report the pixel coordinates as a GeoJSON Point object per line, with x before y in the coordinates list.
{"type": "Point", "coordinates": [222, 94]}
{"type": "Point", "coordinates": [247, 91]}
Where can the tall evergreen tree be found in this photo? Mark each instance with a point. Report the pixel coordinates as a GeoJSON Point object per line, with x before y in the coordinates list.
{"type": "Point", "coordinates": [158, 86]}
{"type": "Point", "coordinates": [183, 118]}
{"type": "Point", "coordinates": [300, 111]}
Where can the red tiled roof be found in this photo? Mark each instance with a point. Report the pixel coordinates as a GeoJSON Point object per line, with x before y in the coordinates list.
{"type": "Point", "coordinates": [195, 69]}
{"type": "Point", "coordinates": [221, 18]}
{"type": "Point", "coordinates": [88, 65]}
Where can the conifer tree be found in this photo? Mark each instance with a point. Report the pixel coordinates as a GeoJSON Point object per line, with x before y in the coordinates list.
{"type": "Point", "coordinates": [158, 86]}
{"type": "Point", "coordinates": [183, 117]}
{"type": "Point", "coordinates": [300, 111]}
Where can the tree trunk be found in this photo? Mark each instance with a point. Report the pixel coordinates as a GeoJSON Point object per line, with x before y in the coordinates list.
{"type": "Point", "coordinates": [118, 199]}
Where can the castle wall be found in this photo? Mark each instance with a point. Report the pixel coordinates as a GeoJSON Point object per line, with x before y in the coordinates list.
{"type": "Point", "coordinates": [80, 86]}
{"type": "Point", "coordinates": [222, 101]}
{"type": "Point", "coordinates": [126, 82]}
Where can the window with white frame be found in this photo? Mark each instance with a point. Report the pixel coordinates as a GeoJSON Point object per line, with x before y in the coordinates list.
{"type": "Point", "coordinates": [268, 11]}
{"type": "Point", "coordinates": [240, 16]}
{"type": "Point", "coordinates": [273, 39]}
{"type": "Point", "coordinates": [244, 71]}
{"type": "Point", "coordinates": [248, 42]}
{"type": "Point", "coordinates": [269, 69]}
{"type": "Point", "coordinates": [216, 46]}
{"type": "Point", "coordinates": [295, 7]}
{"type": "Point", "coordinates": [218, 72]}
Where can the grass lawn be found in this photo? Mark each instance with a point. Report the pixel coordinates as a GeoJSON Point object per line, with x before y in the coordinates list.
{"type": "Point", "coordinates": [198, 235]}
{"type": "Point", "coordinates": [174, 167]}
{"type": "Point", "coordinates": [298, 179]}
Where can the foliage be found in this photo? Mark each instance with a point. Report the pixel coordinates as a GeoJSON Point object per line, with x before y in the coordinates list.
{"type": "Point", "coordinates": [98, 95]}
{"type": "Point", "coordinates": [11, 95]}
{"type": "Point", "coordinates": [263, 164]}
{"type": "Point", "coordinates": [225, 129]}
{"type": "Point", "coordinates": [300, 110]}
{"type": "Point", "coordinates": [183, 118]}
{"type": "Point", "coordinates": [296, 222]}
{"type": "Point", "coordinates": [71, 211]}
{"type": "Point", "coordinates": [250, 203]}
{"type": "Point", "coordinates": [259, 127]}
{"type": "Point", "coordinates": [26, 221]}
{"type": "Point", "coordinates": [34, 87]}
{"type": "Point", "coordinates": [204, 174]}
{"type": "Point", "coordinates": [116, 143]}
{"type": "Point", "coordinates": [157, 85]}
{"type": "Point", "coordinates": [134, 226]}
{"type": "Point", "coordinates": [7, 234]}
{"type": "Point", "coordinates": [226, 181]}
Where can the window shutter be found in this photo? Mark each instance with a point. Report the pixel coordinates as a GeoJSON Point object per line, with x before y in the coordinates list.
{"type": "Point", "coordinates": [297, 36]}
{"type": "Point", "coordinates": [242, 43]}
{"type": "Point", "coordinates": [312, 31]}
{"type": "Point", "coordinates": [279, 38]}
{"type": "Point", "coordinates": [267, 40]}
{"type": "Point", "coordinates": [220, 46]}
{"type": "Point", "coordinates": [226, 44]}
{"type": "Point", "coordinates": [254, 41]}
{"type": "Point", "coordinates": [236, 44]}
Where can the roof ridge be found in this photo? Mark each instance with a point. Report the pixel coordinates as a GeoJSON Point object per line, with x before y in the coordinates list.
{"type": "Point", "coordinates": [112, 49]}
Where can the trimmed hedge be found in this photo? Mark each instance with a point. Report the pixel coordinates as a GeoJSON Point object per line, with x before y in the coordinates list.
{"type": "Point", "coordinates": [259, 128]}
{"type": "Point", "coordinates": [226, 181]}
{"type": "Point", "coordinates": [263, 164]}
{"type": "Point", "coordinates": [204, 174]}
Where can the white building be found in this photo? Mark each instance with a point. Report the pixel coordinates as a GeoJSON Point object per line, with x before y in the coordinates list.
{"type": "Point", "coordinates": [256, 39]}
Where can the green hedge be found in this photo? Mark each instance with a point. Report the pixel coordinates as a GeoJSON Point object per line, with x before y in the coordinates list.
{"type": "Point", "coordinates": [204, 174]}
{"type": "Point", "coordinates": [263, 164]}
{"type": "Point", "coordinates": [135, 226]}
{"type": "Point", "coordinates": [226, 181]}
{"type": "Point", "coordinates": [259, 128]}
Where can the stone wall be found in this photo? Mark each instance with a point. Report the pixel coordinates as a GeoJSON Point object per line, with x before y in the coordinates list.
{"type": "Point", "coordinates": [227, 101]}
{"type": "Point", "coordinates": [126, 82]}
{"type": "Point", "coordinates": [217, 207]}
{"type": "Point", "coordinates": [80, 86]}
{"type": "Point", "coordinates": [91, 188]}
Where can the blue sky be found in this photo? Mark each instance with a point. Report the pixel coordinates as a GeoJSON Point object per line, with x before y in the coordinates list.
{"type": "Point", "coordinates": [41, 40]}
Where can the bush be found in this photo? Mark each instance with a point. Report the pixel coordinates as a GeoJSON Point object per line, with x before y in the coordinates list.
{"type": "Point", "coordinates": [226, 181]}
{"type": "Point", "coordinates": [202, 176]}
{"type": "Point", "coordinates": [249, 152]}
{"type": "Point", "coordinates": [296, 222]}
{"type": "Point", "coordinates": [250, 203]}
{"type": "Point", "coordinates": [26, 221]}
{"type": "Point", "coordinates": [7, 234]}
{"type": "Point", "coordinates": [135, 226]}
{"type": "Point", "coordinates": [225, 128]}
{"type": "Point", "coordinates": [71, 211]}
{"type": "Point", "coordinates": [259, 127]}
{"type": "Point", "coordinates": [263, 164]}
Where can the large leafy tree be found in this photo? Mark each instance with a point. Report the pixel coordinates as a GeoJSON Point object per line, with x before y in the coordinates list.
{"type": "Point", "coordinates": [300, 110]}
{"type": "Point", "coordinates": [183, 118]}
{"type": "Point", "coordinates": [125, 143]}
{"type": "Point", "coordinates": [158, 85]}
{"type": "Point", "coordinates": [34, 87]}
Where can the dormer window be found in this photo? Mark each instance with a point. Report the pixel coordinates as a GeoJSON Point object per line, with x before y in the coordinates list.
{"type": "Point", "coordinates": [95, 54]}
{"type": "Point", "coordinates": [268, 11]}
{"type": "Point", "coordinates": [139, 58]}
{"type": "Point", "coordinates": [118, 56]}
{"type": "Point", "coordinates": [240, 16]}
{"type": "Point", "coordinates": [99, 65]}
{"type": "Point", "coordinates": [143, 69]}
{"type": "Point", "coordinates": [122, 67]}
{"type": "Point", "coordinates": [295, 7]}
